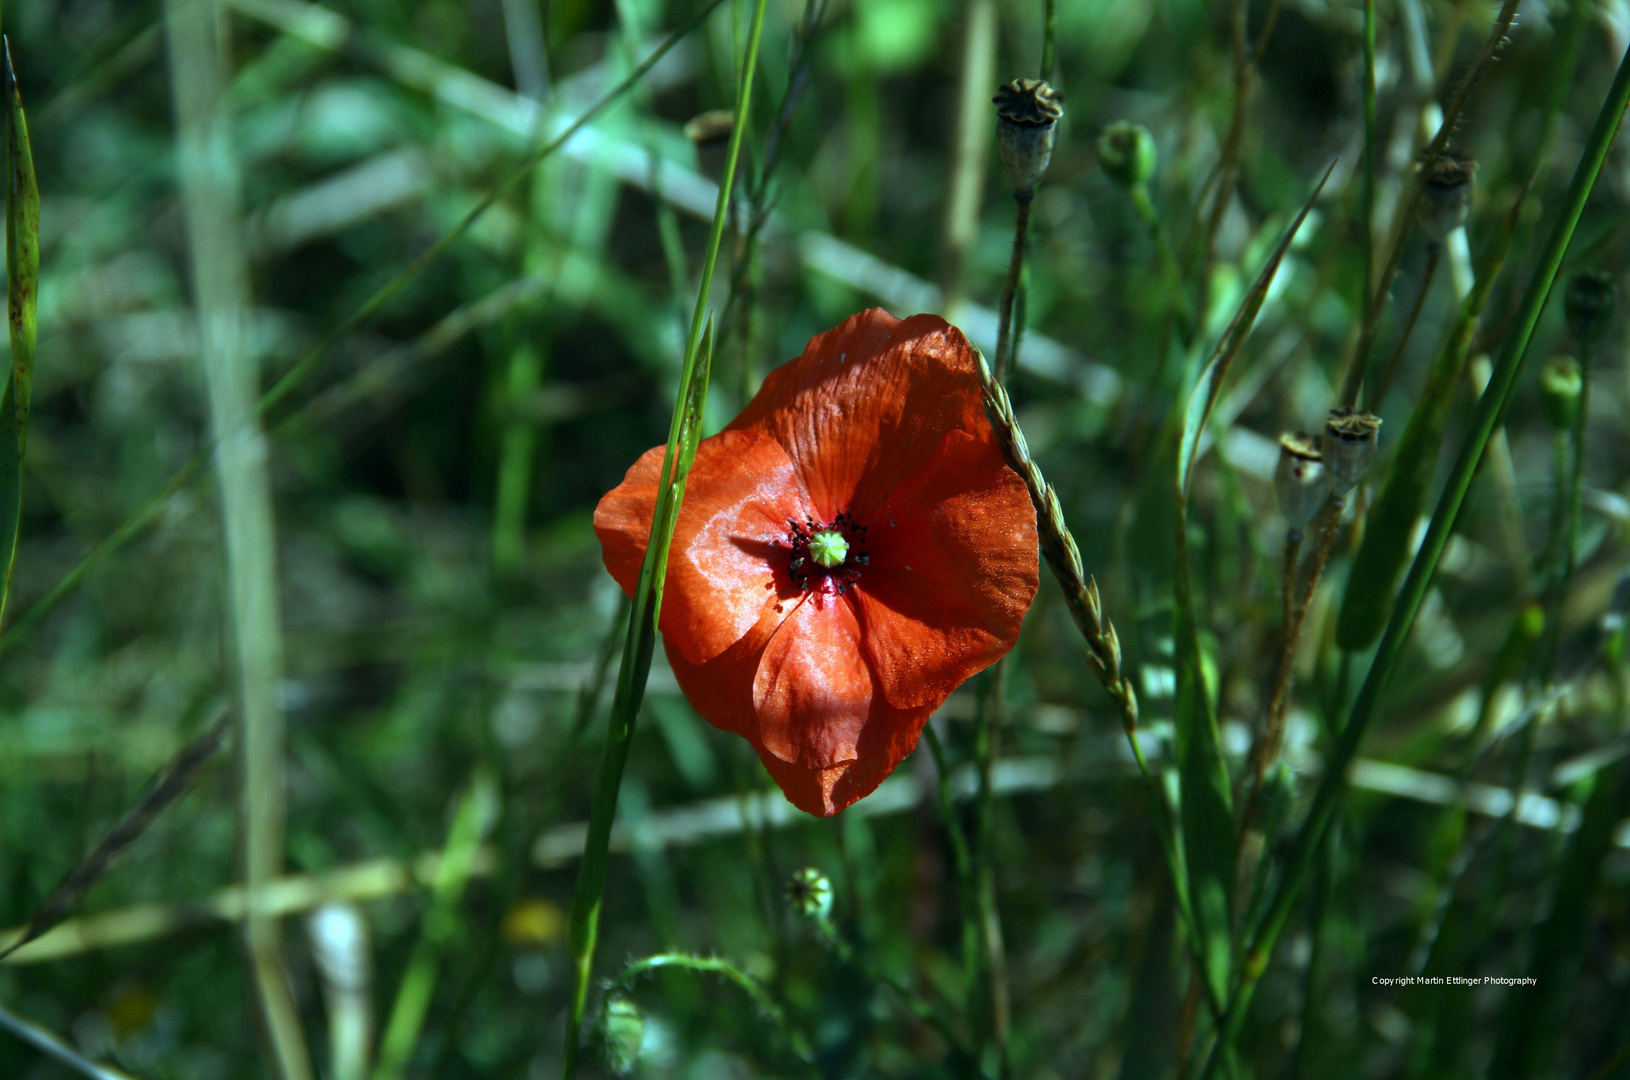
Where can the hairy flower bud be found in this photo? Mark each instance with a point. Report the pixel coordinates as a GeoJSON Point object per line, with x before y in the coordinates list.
{"type": "Point", "coordinates": [1027, 112]}
{"type": "Point", "coordinates": [620, 1033]}
{"type": "Point", "coordinates": [1350, 439]}
{"type": "Point", "coordinates": [809, 894]}
{"type": "Point", "coordinates": [1127, 153]}
{"type": "Point", "coordinates": [1560, 386]}
{"type": "Point", "coordinates": [1446, 194]}
{"type": "Point", "coordinates": [1300, 482]}
{"type": "Point", "coordinates": [1589, 305]}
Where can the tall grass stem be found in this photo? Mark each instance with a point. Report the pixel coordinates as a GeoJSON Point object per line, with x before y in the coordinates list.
{"type": "Point", "coordinates": [683, 434]}
{"type": "Point", "coordinates": [1490, 409]}
{"type": "Point", "coordinates": [211, 190]}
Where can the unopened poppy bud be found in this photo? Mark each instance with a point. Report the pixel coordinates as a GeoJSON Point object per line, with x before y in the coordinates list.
{"type": "Point", "coordinates": [1560, 385]}
{"type": "Point", "coordinates": [1127, 153]}
{"type": "Point", "coordinates": [1027, 112]}
{"type": "Point", "coordinates": [1300, 482]}
{"type": "Point", "coordinates": [1446, 194]}
{"type": "Point", "coordinates": [1349, 447]}
{"type": "Point", "coordinates": [1589, 305]}
{"type": "Point", "coordinates": [809, 893]}
{"type": "Point", "coordinates": [620, 1034]}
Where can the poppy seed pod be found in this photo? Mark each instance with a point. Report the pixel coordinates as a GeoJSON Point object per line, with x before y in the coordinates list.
{"type": "Point", "coordinates": [1350, 440]}
{"type": "Point", "coordinates": [1560, 385]}
{"type": "Point", "coordinates": [1589, 305]}
{"type": "Point", "coordinates": [1027, 112]}
{"type": "Point", "coordinates": [1300, 482]}
{"type": "Point", "coordinates": [809, 894]}
{"type": "Point", "coordinates": [1446, 194]}
{"type": "Point", "coordinates": [620, 1034]}
{"type": "Point", "coordinates": [1127, 153]}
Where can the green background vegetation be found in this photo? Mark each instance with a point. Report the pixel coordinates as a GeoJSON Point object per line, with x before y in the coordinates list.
{"type": "Point", "coordinates": [446, 627]}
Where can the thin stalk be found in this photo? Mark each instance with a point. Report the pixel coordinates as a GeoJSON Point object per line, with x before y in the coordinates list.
{"type": "Point", "coordinates": [523, 32]}
{"type": "Point", "coordinates": [1317, 904]}
{"type": "Point", "coordinates": [913, 1002]}
{"type": "Point", "coordinates": [1265, 748]}
{"type": "Point", "coordinates": [960, 859]}
{"type": "Point", "coordinates": [970, 153]}
{"type": "Point", "coordinates": [1409, 201]}
{"type": "Point", "coordinates": [763, 1003]}
{"type": "Point", "coordinates": [56, 1047]}
{"type": "Point", "coordinates": [683, 435]}
{"type": "Point", "coordinates": [1569, 498]}
{"type": "Point", "coordinates": [1049, 32]}
{"type": "Point", "coordinates": [1383, 382]}
{"type": "Point", "coordinates": [993, 951]}
{"type": "Point", "coordinates": [1489, 410]}
{"type": "Point", "coordinates": [1015, 264]}
{"type": "Point", "coordinates": [1176, 297]}
{"type": "Point", "coordinates": [211, 188]}
{"type": "Point", "coordinates": [1366, 194]}
{"type": "Point", "coordinates": [1203, 229]}
{"type": "Point", "coordinates": [476, 811]}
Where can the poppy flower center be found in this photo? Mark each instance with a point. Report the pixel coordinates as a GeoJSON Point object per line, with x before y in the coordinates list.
{"type": "Point", "coordinates": [825, 557]}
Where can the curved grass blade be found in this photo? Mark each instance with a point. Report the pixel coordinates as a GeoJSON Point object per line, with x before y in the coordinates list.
{"type": "Point", "coordinates": [1489, 410]}
{"type": "Point", "coordinates": [1205, 809]}
{"type": "Point", "coordinates": [1204, 395]}
{"type": "Point", "coordinates": [22, 290]}
{"type": "Point", "coordinates": [684, 432]}
{"type": "Point", "coordinates": [1385, 546]}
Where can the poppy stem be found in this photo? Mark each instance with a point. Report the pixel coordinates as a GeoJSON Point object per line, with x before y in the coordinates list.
{"type": "Point", "coordinates": [684, 432]}
{"type": "Point", "coordinates": [993, 953]}
{"type": "Point", "coordinates": [1004, 333]}
{"type": "Point", "coordinates": [958, 838]}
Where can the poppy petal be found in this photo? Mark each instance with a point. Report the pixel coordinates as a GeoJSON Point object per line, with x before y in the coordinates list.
{"type": "Point", "coordinates": [727, 563]}
{"type": "Point", "coordinates": [953, 571]}
{"type": "Point", "coordinates": [813, 691]}
{"type": "Point", "coordinates": [866, 404]}
{"type": "Point", "coordinates": [824, 792]}
{"type": "Point", "coordinates": [721, 691]}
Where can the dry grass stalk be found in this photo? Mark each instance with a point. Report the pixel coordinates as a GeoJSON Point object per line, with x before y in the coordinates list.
{"type": "Point", "coordinates": [1058, 546]}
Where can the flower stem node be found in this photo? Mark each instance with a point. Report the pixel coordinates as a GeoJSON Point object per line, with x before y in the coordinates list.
{"type": "Point", "coordinates": [1446, 194]}
{"type": "Point", "coordinates": [1300, 481]}
{"type": "Point", "coordinates": [620, 1034]}
{"type": "Point", "coordinates": [1350, 439]}
{"type": "Point", "coordinates": [1589, 305]}
{"type": "Point", "coordinates": [1126, 152]}
{"type": "Point", "coordinates": [1027, 112]}
{"type": "Point", "coordinates": [1560, 386]}
{"type": "Point", "coordinates": [809, 894]}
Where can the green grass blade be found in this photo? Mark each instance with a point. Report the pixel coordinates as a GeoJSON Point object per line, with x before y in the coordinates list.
{"type": "Point", "coordinates": [1489, 410]}
{"type": "Point", "coordinates": [22, 290]}
{"type": "Point", "coordinates": [1205, 811]}
{"type": "Point", "coordinates": [684, 433]}
{"type": "Point", "coordinates": [1204, 395]}
{"type": "Point", "coordinates": [1533, 1024]}
{"type": "Point", "coordinates": [1381, 555]}
{"type": "Point", "coordinates": [474, 817]}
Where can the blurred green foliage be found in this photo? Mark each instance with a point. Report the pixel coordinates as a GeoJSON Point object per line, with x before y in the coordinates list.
{"type": "Point", "coordinates": [421, 651]}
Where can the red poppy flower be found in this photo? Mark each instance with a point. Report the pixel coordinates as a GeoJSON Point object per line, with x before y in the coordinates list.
{"type": "Point", "coordinates": [850, 549]}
